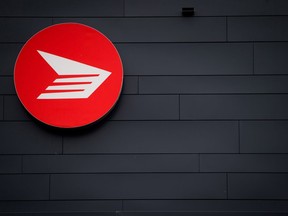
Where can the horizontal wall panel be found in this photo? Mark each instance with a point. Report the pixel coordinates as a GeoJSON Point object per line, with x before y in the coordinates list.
{"type": "Point", "coordinates": [10, 164]}
{"type": "Point", "coordinates": [271, 58]}
{"type": "Point", "coordinates": [213, 84]}
{"type": "Point", "coordinates": [110, 163]}
{"type": "Point", "coordinates": [62, 214]}
{"type": "Point", "coordinates": [258, 28]}
{"type": "Point", "coordinates": [61, 8]}
{"type": "Point", "coordinates": [21, 29]}
{"type": "Point", "coordinates": [28, 138]}
{"type": "Point", "coordinates": [187, 58]}
{"type": "Point", "coordinates": [233, 107]}
{"type": "Point", "coordinates": [156, 137]}
{"type": "Point", "coordinates": [24, 187]}
{"type": "Point", "coordinates": [146, 107]}
{"type": "Point", "coordinates": [7, 85]}
{"type": "Point", "coordinates": [200, 214]}
{"type": "Point", "coordinates": [130, 84]}
{"type": "Point", "coordinates": [206, 205]}
{"type": "Point", "coordinates": [60, 206]}
{"type": "Point", "coordinates": [1, 107]}
{"type": "Point", "coordinates": [14, 110]}
{"type": "Point", "coordinates": [8, 55]}
{"type": "Point", "coordinates": [157, 29]}
{"type": "Point", "coordinates": [152, 214]}
{"type": "Point", "coordinates": [257, 186]}
{"type": "Point", "coordinates": [243, 163]}
{"type": "Point", "coordinates": [264, 137]}
{"type": "Point", "coordinates": [129, 107]}
{"type": "Point", "coordinates": [138, 186]}
{"type": "Point", "coordinates": [205, 7]}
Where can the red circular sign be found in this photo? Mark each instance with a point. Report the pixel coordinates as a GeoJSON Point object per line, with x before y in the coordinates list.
{"type": "Point", "coordinates": [68, 75]}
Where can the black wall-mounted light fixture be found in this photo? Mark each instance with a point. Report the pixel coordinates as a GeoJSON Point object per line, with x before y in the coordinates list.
{"type": "Point", "coordinates": [188, 12]}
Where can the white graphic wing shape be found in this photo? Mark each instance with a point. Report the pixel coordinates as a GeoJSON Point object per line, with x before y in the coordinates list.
{"type": "Point", "coordinates": [92, 77]}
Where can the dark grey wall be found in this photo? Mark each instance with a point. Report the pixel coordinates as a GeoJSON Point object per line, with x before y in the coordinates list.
{"type": "Point", "coordinates": [200, 129]}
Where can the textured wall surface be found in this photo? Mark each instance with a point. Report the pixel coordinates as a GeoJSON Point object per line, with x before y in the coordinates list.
{"type": "Point", "coordinates": [201, 127]}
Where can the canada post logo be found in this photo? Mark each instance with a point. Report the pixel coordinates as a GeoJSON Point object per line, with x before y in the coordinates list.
{"type": "Point", "coordinates": [90, 77]}
{"type": "Point", "coordinates": [68, 75]}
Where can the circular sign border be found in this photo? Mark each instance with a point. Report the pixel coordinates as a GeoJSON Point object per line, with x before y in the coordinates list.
{"type": "Point", "coordinates": [89, 123]}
